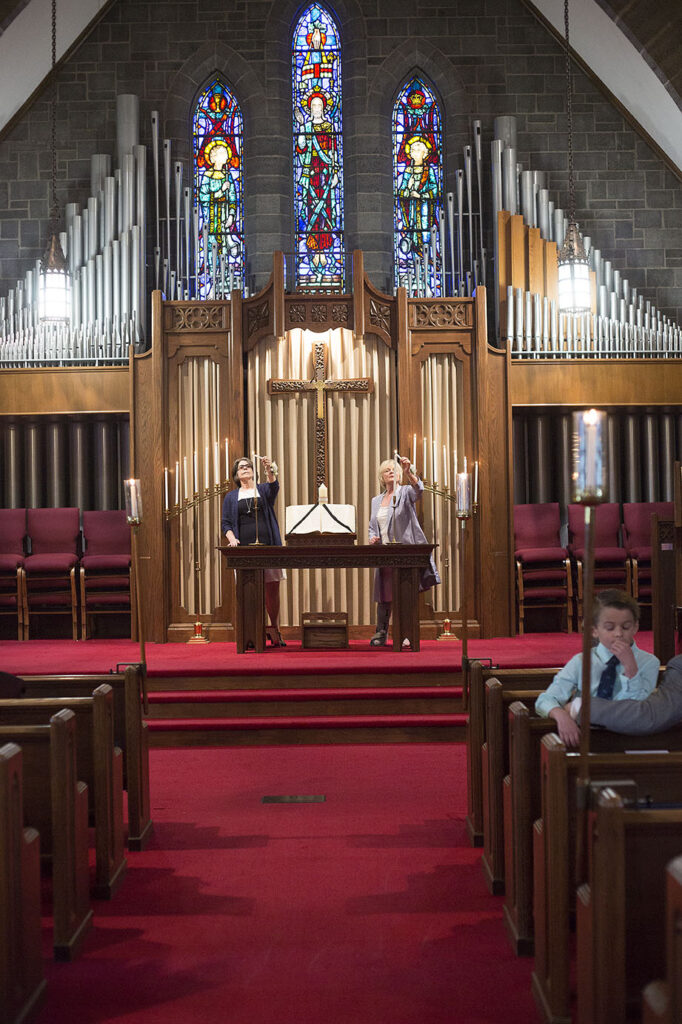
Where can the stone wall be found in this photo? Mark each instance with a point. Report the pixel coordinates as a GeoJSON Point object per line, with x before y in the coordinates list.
{"type": "Point", "coordinates": [484, 60]}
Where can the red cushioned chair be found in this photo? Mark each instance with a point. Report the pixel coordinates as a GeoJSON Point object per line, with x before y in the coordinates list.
{"type": "Point", "coordinates": [543, 568]}
{"type": "Point", "coordinates": [637, 540]}
{"type": "Point", "coordinates": [105, 577]}
{"type": "Point", "coordinates": [12, 590]}
{"type": "Point", "coordinates": [50, 569]}
{"type": "Point", "coordinates": [611, 562]}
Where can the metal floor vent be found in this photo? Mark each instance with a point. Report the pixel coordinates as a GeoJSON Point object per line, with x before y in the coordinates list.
{"type": "Point", "coordinates": [293, 799]}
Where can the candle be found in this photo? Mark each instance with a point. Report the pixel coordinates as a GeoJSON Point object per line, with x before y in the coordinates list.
{"type": "Point", "coordinates": [414, 449]}
{"type": "Point", "coordinates": [216, 463]}
{"type": "Point", "coordinates": [165, 489]}
{"type": "Point", "coordinates": [434, 463]}
{"type": "Point", "coordinates": [589, 457]}
{"type": "Point", "coordinates": [463, 495]}
{"type": "Point", "coordinates": [177, 483]}
{"type": "Point", "coordinates": [254, 459]}
{"type": "Point", "coordinates": [185, 489]}
{"type": "Point", "coordinates": [227, 461]}
{"type": "Point", "coordinates": [322, 494]}
{"type": "Point", "coordinates": [206, 463]}
{"type": "Point", "coordinates": [476, 482]}
{"type": "Point", "coordinates": [445, 467]}
{"type": "Point", "coordinates": [195, 483]}
{"type": "Point", "coordinates": [424, 459]}
{"type": "Point", "coordinates": [133, 501]}
{"type": "Point", "coordinates": [455, 464]}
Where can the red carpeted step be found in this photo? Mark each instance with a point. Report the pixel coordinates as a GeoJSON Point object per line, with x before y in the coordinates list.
{"type": "Point", "coordinates": [341, 693]}
{"type": "Point", "coordinates": [304, 722]}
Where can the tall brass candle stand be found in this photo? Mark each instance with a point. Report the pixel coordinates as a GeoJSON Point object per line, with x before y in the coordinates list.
{"type": "Point", "coordinates": [133, 500]}
{"type": "Point", "coordinates": [590, 483]}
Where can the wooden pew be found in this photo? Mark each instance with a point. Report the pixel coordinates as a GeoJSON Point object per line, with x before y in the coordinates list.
{"type": "Point", "coordinates": [56, 804]}
{"type": "Point", "coordinates": [662, 1000]}
{"type": "Point", "coordinates": [521, 803]}
{"type": "Point", "coordinates": [656, 775]}
{"type": "Point", "coordinates": [477, 675]}
{"type": "Point", "coordinates": [22, 974]}
{"type": "Point", "coordinates": [130, 734]}
{"type": "Point", "coordinates": [621, 909]}
{"type": "Point", "coordinates": [98, 763]}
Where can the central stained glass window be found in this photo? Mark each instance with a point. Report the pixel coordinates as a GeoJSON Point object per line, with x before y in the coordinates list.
{"type": "Point", "coordinates": [217, 132]}
{"type": "Point", "coordinates": [417, 186]}
{"type": "Point", "coordinates": [318, 152]}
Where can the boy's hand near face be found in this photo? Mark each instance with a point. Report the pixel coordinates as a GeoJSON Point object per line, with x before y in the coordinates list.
{"type": "Point", "coordinates": [623, 651]}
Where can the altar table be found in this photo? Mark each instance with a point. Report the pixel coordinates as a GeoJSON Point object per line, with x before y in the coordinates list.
{"type": "Point", "coordinates": [404, 560]}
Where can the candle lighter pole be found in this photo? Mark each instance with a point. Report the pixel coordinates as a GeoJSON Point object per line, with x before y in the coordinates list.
{"type": "Point", "coordinates": [590, 481]}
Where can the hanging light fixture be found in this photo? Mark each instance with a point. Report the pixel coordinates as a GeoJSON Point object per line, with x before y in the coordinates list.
{"type": "Point", "coordinates": [54, 293]}
{"type": "Point", "coordinates": [575, 293]}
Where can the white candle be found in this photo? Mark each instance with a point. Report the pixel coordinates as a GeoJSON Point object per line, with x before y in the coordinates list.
{"type": "Point", "coordinates": [424, 459]}
{"type": "Point", "coordinates": [445, 467]}
{"type": "Point", "coordinates": [414, 449]}
{"type": "Point", "coordinates": [185, 490]}
{"type": "Point", "coordinates": [434, 469]}
{"type": "Point", "coordinates": [476, 482]}
{"type": "Point", "coordinates": [195, 484]}
{"type": "Point", "coordinates": [455, 463]}
{"type": "Point", "coordinates": [322, 494]}
{"type": "Point", "coordinates": [216, 463]}
{"type": "Point", "coordinates": [206, 470]}
{"type": "Point", "coordinates": [227, 461]}
{"type": "Point", "coordinates": [165, 489]}
{"type": "Point", "coordinates": [177, 483]}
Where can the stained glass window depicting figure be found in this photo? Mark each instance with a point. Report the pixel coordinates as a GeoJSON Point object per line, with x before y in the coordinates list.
{"type": "Point", "coordinates": [218, 191]}
{"type": "Point", "coordinates": [318, 151]}
{"type": "Point", "coordinates": [417, 187]}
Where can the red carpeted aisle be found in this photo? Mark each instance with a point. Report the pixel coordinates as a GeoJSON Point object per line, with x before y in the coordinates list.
{"type": "Point", "coordinates": [370, 907]}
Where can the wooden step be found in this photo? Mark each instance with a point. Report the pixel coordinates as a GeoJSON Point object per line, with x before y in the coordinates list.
{"type": "Point", "coordinates": [289, 702]}
{"type": "Point", "coordinates": [300, 729]}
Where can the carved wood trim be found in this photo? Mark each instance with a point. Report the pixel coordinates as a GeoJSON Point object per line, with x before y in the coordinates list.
{"type": "Point", "coordinates": [196, 316]}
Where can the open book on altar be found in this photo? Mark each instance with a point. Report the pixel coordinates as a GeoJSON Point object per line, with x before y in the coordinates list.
{"type": "Point", "coordinates": [308, 522]}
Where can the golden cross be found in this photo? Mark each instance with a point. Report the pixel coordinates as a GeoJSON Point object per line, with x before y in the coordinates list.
{"type": "Point", "coordinates": [321, 385]}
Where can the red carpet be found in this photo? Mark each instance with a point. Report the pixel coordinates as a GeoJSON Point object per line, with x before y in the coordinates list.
{"type": "Point", "coordinates": [36, 656]}
{"type": "Point", "coordinates": [370, 907]}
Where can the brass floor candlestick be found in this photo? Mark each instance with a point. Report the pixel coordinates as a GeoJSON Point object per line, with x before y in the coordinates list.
{"type": "Point", "coordinates": [198, 637]}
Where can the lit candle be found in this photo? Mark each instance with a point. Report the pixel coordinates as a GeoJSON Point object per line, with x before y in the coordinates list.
{"type": "Point", "coordinates": [434, 470]}
{"type": "Point", "coordinates": [165, 489]}
{"type": "Point", "coordinates": [463, 495]}
{"type": "Point", "coordinates": [216, 463]}
{"type": "Point", "coordinates": [177, 483]}
{"type": "Point", "coordinates": [414, 449]}
{"type": "Point", "coordinates": [445, 467]}
{"type": "Point", "coordinates": [227, 461]}
{"type": "Point", "coordinates": [195, 484]}
{"type": "Point", "coordinates": [476, 482]}
{"type": "Point", "coordinates": [589, 466]}
{"type": "Point", "coordinates": [206, 465]}
{"type": "Point", "coordinates": [185, 489]}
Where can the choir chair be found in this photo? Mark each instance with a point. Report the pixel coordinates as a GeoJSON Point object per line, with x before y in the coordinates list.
{"type": "Point", "coordinates": [12, 590]}
{"type": "Point", "coordinates": [543, 568]}
{"type": "Point", "coordinates": [54, 535]}
{"type": "Point", "coordinates": [105, 574]}
{"type": "Point", "coordinates": [611, 562]}
{"type": "Point", "coordinates": [637, 541]}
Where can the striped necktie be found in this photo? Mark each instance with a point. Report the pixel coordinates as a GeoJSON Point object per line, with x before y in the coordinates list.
{"type": "Point", "coordinates": [608, 679]}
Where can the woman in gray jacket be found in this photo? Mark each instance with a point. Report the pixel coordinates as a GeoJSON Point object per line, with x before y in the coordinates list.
{"type": "Point", "coordinates": [394, 518]}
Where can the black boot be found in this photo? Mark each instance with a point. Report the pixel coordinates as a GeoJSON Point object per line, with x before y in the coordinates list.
{"type": "Point", "coordinates": [383, 615]}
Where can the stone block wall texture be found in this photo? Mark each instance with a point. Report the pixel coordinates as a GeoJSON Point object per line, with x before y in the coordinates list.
{"type": "Point", "coordinates": [487, 59]}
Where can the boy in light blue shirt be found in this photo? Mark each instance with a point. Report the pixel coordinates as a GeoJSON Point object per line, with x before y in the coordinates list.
{"type": "Point", "coordinates": [619, 669]}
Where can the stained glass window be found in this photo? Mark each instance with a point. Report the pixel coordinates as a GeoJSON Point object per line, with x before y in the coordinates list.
{"type": "Point", "coordinates": [417, 187]}
{"type": "Point", "coordinates": [318, 151]}
{"type": "Point", "coordinates": [218, 191]}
